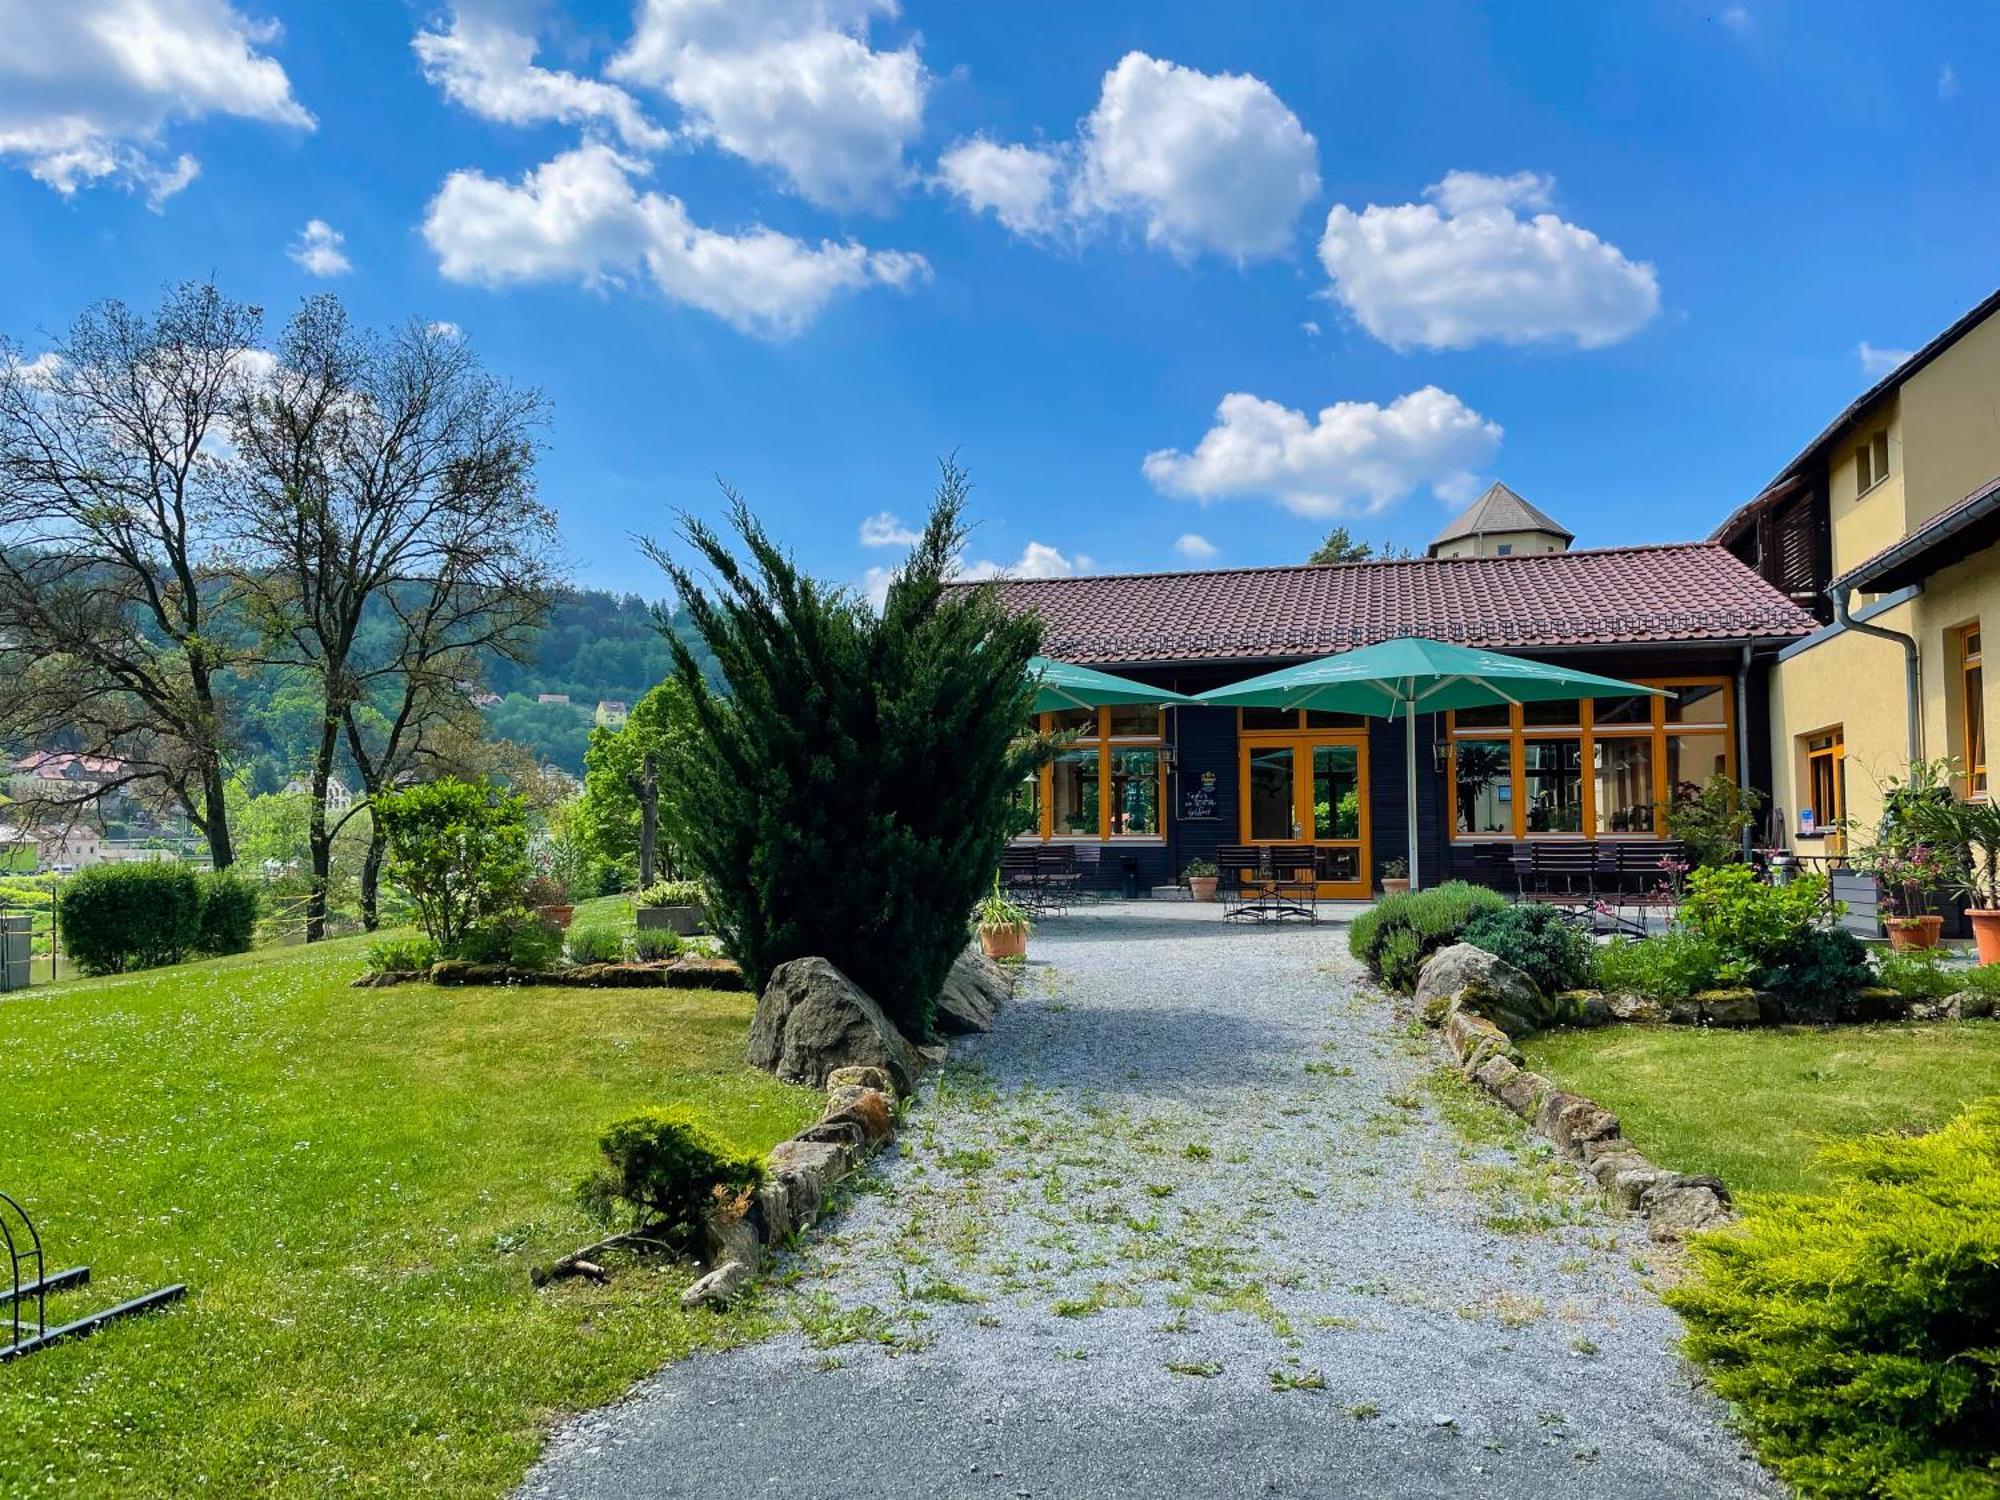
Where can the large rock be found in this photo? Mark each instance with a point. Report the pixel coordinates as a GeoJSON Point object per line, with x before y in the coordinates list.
{"type": "Point", "coordinates": [812, 1019]}
{"type": "Point", "coordinates": [1463, 977]}
{"type": "Point", "coordinates": [972, 995]}
{"type": "Point", "coordinates": [1679, 1206]}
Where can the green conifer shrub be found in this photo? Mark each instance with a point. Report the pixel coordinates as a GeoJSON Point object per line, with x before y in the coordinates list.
{"type": "Point", "coordinates": [850, 795]}
{"type": "Point", "coordinates": [1858, 1331]}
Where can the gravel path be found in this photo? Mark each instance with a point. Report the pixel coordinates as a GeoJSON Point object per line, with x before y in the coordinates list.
{"type": "Point", "coordinates": [1202, 1217]}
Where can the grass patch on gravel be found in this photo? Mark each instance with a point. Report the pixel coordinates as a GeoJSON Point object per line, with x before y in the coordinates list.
{"type": "Point", "coordinates": [1753, 1107]}
{"type": "Point", "coordinates": [353, 1184]}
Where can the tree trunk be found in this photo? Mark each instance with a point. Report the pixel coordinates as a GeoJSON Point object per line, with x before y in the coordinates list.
{"type": "Point", "coordinates": [649, 819]}
{"type": "Point", "coordinates": [215, 816]}
{"type": "Point", "coordinates": [318, 839]}
{"type": "Point", "coordinates": [371, 880]}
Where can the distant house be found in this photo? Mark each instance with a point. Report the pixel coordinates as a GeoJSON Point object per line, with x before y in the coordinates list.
{"type": "Point", "coordinates": [612, 713]}
{"type": "Point", "coordinates": [48, 773]}
{"type": "Point", "coordinates": [338, 797]}
{"type": "Point", "coordinates": [70, 848]}
{"type": "Point", "coordinates": [562, 698]}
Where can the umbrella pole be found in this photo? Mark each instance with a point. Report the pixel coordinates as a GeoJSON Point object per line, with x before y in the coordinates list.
{"type": "Point", "coordinates": [1410, 770]}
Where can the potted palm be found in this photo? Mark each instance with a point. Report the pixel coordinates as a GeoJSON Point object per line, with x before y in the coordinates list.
{"type": "Point", "coordinates": [1201, 876]}
{"type": "Point", "coordinates": [1003, 925]}
{"type": "Point", "coordinates": [1395, 876]}
{"type": "Point", "coordinates": [1969, 833]}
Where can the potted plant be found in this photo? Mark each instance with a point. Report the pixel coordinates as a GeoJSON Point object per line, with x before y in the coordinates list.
{"type": "Point", "coordinates": [1908, 875]}
{"type": "Point", "coordinates": [1201, 876]}
{"type": "Point", "coordinates": [1968, 835]}
{"type": "Point", "coordinates": [1003, 925]}
{"type": "Point", "coordinates": [550, 899]}
{"type": "Point", "coordinates": [674, 905]}
{"type": "Point", "coordinates": [1395, 876]}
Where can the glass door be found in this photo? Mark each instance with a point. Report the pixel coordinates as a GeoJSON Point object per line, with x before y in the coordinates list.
{"type": "Point", "coordinates": [1312, 789]}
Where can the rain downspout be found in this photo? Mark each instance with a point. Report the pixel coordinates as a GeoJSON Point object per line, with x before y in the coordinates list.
{"type": "Point", "coordinates": [1912, 668]}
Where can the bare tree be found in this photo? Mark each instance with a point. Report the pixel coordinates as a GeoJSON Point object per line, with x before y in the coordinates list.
{"type": "Point", "coordinates": [385, 472]}
{"type": "Point", "coordinates": [114, 619]}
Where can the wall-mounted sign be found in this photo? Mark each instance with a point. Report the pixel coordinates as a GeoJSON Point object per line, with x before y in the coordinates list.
{"type": "Point", "coordinates": [1198, 792]}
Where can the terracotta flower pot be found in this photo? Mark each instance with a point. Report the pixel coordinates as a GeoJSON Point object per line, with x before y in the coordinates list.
{"type": "Point", "coordinates": [1202, 887]}
{"type": "Point", "coordinates": [558, 913]}
{"type": "Point", "coordinates": [1004, 940]}
{"type": "Point", "coordinates": [1909, 934]}
{"type": "Point", "coordinates": [1395, 885]}
{"type": "Point", "coordinates": [1986, 932]}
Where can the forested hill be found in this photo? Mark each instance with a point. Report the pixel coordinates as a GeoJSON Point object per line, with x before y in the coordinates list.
{"type": "Point", "coordinates": [597, 646]}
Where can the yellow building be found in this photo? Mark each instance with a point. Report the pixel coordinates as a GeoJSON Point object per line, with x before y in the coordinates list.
{"type": "Point", "coordinates": [1884, 526]}
{"type": "Point", "coordinates": [1500, 524]}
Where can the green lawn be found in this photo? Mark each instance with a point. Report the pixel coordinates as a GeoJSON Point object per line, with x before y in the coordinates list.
{"type": "Point", "coordinates": [1751, 1106]}
{"type": "Point", "coordinates": [353, 1183]}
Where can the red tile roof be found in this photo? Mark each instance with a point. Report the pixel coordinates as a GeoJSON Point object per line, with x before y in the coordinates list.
{"type": "Point", "coordinates": [1695, 591]}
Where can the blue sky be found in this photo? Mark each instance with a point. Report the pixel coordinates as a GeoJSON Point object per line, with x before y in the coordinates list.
{"type": "Point", "coordinates": [1319, 262]}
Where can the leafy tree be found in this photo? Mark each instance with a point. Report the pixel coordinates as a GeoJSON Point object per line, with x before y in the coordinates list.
{"type": "Point", "coordinates": [459, 850]}
{"type": "Point", "coordinates": [607, 815]}
{"type": "Point", "coordinates": [851, 795]}
{"type": "Point", "coordinates": [1340, 547]}
{"type": "Point", "coordinates": [384, 471]}
{"type": "Point", "coordinates": [115, 618]}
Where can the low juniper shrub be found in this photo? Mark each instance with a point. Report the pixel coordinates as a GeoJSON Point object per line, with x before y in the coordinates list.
{"type": "Point", "coordinates": [594, 945]}
{"type": "Point", "coordinates": [1400, 932]}
{"type": "Point", "coordinates": [1538, 940]}
{"type": "Point", "coordinates": [661, 1170]}
{"type": "Point", "coordinates": [1858, 1330]}
{"type": "Point", "coordinates": [1819, 975]}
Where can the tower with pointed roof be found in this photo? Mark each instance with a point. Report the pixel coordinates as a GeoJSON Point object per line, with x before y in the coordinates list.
{"type": "Point", "coordinates": [1500, 524]}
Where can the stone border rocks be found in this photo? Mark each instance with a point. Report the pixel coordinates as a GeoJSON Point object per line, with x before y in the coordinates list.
{"type": "Point", "coordinates": [676, 974]}
{"type": "Point", "coordinates": [1454, 989]}
{"type": "Point", "coordinates": [816, 1026]}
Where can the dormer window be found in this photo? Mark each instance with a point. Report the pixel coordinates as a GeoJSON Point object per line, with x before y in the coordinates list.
{"type": "Point", "coordinates": [1871, 463]}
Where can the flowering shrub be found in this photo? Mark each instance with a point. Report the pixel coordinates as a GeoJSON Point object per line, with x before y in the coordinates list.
{"type": "Point", "coordinates": [1752, 924]}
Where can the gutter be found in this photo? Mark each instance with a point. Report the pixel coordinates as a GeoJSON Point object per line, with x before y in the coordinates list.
{"type": "Point", "coordinates": [1913, 681]}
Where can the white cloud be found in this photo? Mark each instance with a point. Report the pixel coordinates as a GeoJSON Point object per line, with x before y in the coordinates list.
{"type": "Point", "coordinates": [1879, 362]}
{"type": "Point", "coordinates": [1204, 161]}
{"type": "Point", "coordinates": [1201, 162]}
{"type": "Point", "coordinates": [1310, 328]}
{"type": "Point", "coordinates": [488, 66]}
{"type": "Point", "coordinates": [885, 529]}
{"type": "Point", "coordinates": [789, 84]}
{"type": "Point", "coordinates": [578, 217]}
{"type": "Point", "coordinates": [1737, 19]}
{"type": "Point", "coordinates": [1467, 268]}
{"type": "Point", "coordinates": [1196, 547]}
{"type": "Point", "coordinates": [447, 329]}
{"type": "Point", "coordinates": [317, 250]}
{"type": "Point", "coordinates": [1017, 184]}
{"type": "Point", "coordinates": [1947, 82]}
{"type": "Point", "coordinates": [89, 88]}
{"type": "Point", "coordinates": [1037, 560]}
{"type": "Point", "coordinates": [1354, 457]}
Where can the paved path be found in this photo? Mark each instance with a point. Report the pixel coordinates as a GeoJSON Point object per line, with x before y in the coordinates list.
{"type": "Point", "coordinates": [1200, 1218]}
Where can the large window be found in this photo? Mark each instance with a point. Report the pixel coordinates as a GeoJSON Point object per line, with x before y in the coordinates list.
{"type": "Point", "coordinates": [1826, 783]}
{"type": "Point", "coordinates": [1110, 783]}
{"type": "Point", "coordinates": [1972, 711]}
{"type": "Point", "coordinates": [1607, 766]}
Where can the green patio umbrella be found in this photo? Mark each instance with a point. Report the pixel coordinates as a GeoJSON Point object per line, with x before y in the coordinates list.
{"type": "Point", "coordinates": [1060, 685]}
{"type": "Point", "coordinates": [1409, 676]}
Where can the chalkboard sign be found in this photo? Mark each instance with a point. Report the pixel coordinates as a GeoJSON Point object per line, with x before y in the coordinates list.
{"type": "Point", "coordinates": [1198, 791]}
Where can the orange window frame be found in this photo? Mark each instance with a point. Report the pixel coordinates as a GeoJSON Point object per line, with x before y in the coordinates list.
{"type": "Point", "coordinates": [1831, 754]}
{"type": "Point", "coordinates": [1587, 733]}
{"type": "Point", "coordinates": [1972, 708]}
{"type": "Point", "coordinates": [1104, 743]}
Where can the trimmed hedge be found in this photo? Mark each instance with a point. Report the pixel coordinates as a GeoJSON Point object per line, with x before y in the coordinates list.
{"type": "Point", "coordinates": [114, 918]}
{"type": "Point", "coordinates": [1859, 1330]}
{"type": "Point", "coordinates": [230, 906]}
{"type": "Point", "coordinates": [1402, 931]}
